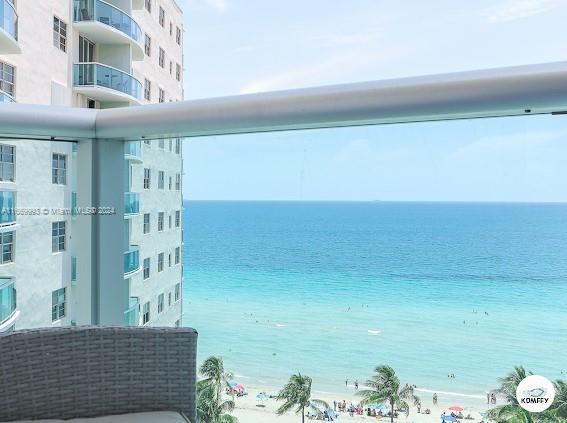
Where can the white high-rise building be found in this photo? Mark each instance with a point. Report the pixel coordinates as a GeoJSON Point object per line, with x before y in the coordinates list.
{"type": "Point", "coordinates": [89, 54]}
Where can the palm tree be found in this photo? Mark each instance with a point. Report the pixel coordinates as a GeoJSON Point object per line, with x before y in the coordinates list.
{"type": "Point", "coordinates": [209, 410]}
{"type": "Point", "coordinates": [511, 412]}
{"type": "Point", "coordinates": [213, 372]}
{"type": "Point", "coordinates": [384, 385]}
{"type": "Point", "coordinates": [558, 410]}
{"type": "Point", "coordinates": [297, 393]}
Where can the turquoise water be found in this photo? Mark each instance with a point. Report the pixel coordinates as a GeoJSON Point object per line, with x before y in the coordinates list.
{"type": "Point", "coordinates": [333, 289]}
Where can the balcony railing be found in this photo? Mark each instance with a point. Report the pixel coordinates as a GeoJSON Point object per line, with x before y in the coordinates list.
{"type": "Point", "coordinates": [9, 19]}
{"type": "Point", "coordinates": [132, 315]}
{"type": "Point", "coordinates": [7, 299]}
{"type": "Point", "coordinates": [133, 150]}
{"type": "Point", "coordinates": [100, 11]}
{"type": "Point", "coordinates": [131, 203]}
{"type": "Point", "coordinates": [131, 260]}
{"type": "Point", "coordinates": [73, 270]}
{"type": "Point", "coordinates": [98, 75]}
{"type": "Point", "coordinates": [5, 97]}
{"type": "Point", "coordinates": [7, 207]}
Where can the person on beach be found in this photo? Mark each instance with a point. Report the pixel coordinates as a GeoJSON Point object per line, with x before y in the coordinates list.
{"type": "Point", "coordinates": [335, 405]}
{"type": "Point", "coordinates": [346, 382]}
{"type": "Point", "coordinates": [356, 385]}
{"type": "Point", "coordinates": [488, 397]}
{"type": "Point", "coordinates": [435, 398]}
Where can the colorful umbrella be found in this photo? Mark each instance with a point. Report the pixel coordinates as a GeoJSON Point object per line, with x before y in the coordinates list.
{"type": "Point", "coordinates": [456, 408]}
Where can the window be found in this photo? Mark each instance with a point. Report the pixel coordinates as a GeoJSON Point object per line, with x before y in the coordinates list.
{"type": "Point", "coordinates": [7, 245]}
{"type": "Point", "coordinates": [178, 182]}
{"type": "Point", "coordinates": [171, 29]}
{"type": "Point", "coordinates": [178, 72]}
{"type": "Point", "coordinates": [58, 236]}
{"type": "Point", "coordinates": [7, 79]}
{"type": "Point", "coordinates": [169, 220]}
{"type": "Point", "coordinates": [169, 299]}
{"type": "Point", "coordinates": [160, 262]}
{"type": "Point", "coordinates": [170, 183]}
{"type": "Point", "coordinates": [59, 169]}
{"type": "Point", "coordinates": [7, 161]}
{"type": "Point", "coordinates": [169, 259]}
{"type": "Point", "coordinates": [161, 179]}
{"type": "Point", "coordinates": [178, 218]}
{"type": "Point", "coordinates": [146, 223]}
{"type": "Point", "coordinates": [161, 95]}
{"type": "Point", "coordinates": [148, 5]}
{"type": "Point", "coordinates": [177, 254]}
{"type": "Point", "coordinates": [57, 304]}
{"type": "Point", "coordinates": [147, 142]}
{"type": "Point", "coordinates": [177, 146]}
{"type": "Point", "coordinates": [161, 57]}
{"type": "Point", "coordinates": [86, 50]}
{"type": "Point", "coordinates": [160, 301]}
{"type": "Point", "coordinates": [148, 90]}
{"type": "Point", "coordinates": [160, 221]}
{"type": "Point", "coordinates": [146, 313]}
{"type": "Point", "coordinates": [170, 145]}
{"type": "Point", "coordinates": [177, 292]}
{"type": "Point", "coordinates": [161, 16]}
{"type": "Point", "coordinates": [171, 67]}
{"type": "Point", "coordinates": [147, 268]}
{"type": "Point", "coordinates": [178, 35]}
{"type": "Point", "coordinates": [148, 45]}
{"type": "Point", "coordinates": [147, 178]}
{"type": "Point", "coordinates": [59, 34]}
{"type": "Point", "coordinates": [161, 144]}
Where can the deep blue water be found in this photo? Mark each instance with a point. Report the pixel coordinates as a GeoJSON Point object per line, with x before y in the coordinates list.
{"type": "Point", "coordinates": [333, 289]}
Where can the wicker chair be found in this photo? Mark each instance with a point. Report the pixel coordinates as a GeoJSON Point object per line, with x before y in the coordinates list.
{"type": "Point", "coordinates": [78, 372]}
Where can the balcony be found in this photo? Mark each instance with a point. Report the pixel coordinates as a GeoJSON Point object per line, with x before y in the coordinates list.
{"type": "Point", "coordinates": [132, 315]}
{"type": "Point", "coordinates": [131, 204]}
{"type": "Point", "coordinates": [133, 151]}
{"type": "Point", "coordinates": [7, 206]}
{"type": "Point", "coordinates": [5, 97]}
{"type": "Point", "coordinates": [8, 312]}
{"type": "Point", "coordinates": [104, 23]}
{"type": "Point", "coordinates": [104, 83]}
{"type": "Point", "coordinates": [131, 261]}
{"type": "Point", "coordinates": [8, 28]}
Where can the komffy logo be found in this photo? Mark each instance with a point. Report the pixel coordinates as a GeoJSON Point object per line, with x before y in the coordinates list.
{"type": "Point", "coordinates": [535, 393]}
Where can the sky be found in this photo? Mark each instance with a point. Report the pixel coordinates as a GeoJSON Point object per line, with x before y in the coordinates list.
{"type": "Point", "coordinates": [237, 47]}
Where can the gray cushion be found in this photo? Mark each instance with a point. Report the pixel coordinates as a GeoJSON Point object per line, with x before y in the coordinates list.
{"type": "Point", "coordinates": [155, 417]}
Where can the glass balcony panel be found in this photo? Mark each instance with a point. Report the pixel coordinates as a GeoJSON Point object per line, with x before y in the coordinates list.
{"type": "Point", "coordinates": [133, 150]}
{"type": "Point", "coordinates": [132, 315]}
{"type": "Point", "coordinates": [9, 18]}
{"type": "Point", "coordinates": [131, 203]}
{"type": "Point", "coordinates": [97, 10]}
{"type": "Point", "coordinates": [7, 299]}
{"type": "Point", "coordinates": [7, 206]}
{"type": "Point", "coordinates": [132, 259]}
{"type": "Point", "coordinates": [73, 203]}
{"type": "Point", "coordinates": [98, 75]}
{"type": "Point", "coordinates": [73, 269]}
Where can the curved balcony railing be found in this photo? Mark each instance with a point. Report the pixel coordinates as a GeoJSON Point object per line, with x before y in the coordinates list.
{"type": "Point", "coordinates": [98, 75]}
{"type": "Point", "coordinates": [132, 315]}
{"type": "Point", "coordinates": [132, 260]}
{"type": "Point", "coordinates": [133, 150]}
{"type": "Point", "coordinates": [9, 18]}
{"type": "Point", "coordinates": [131, 203]}
{"type": "Point", "coordinates": [100, 11]}
{"type": "Point", "coordinates": [7, 207]}
{"type": "Point", "coordinates": [4, 97]}
{"type": "Point", "coordinates": [7, 299]}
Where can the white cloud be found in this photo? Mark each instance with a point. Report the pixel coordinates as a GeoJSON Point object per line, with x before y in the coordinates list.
{"type": "Point", "coordinates": [511, 10]}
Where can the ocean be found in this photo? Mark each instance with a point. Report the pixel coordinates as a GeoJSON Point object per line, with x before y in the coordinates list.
{"type": "Point", "coordinates": [333, 289]}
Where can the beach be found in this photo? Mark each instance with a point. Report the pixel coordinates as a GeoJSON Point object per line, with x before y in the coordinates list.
{"type": "Point", "coordinates": [250, 410]}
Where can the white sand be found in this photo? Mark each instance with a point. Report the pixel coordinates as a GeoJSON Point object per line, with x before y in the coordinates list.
{"type": "Point", "coordinates": [248, 409]}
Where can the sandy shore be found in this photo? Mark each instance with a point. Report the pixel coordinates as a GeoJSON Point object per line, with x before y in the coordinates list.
{"type": "Point", "coordinates": [249, 410]}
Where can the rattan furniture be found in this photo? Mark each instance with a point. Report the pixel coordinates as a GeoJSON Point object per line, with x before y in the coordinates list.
{"type": "Point", "coordinates": [79, 372]}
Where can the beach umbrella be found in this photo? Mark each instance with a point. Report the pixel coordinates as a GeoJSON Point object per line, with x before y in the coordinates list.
{"type": "Point", "coordinates": [232, 384]}
{"type": "Point", "coordinates": [456, 408]}
{"type": "Point", "coordinates": [449, 418]}
{"type": "Point", "coordinates": [262, 397]}
{"type": "Point", "coordinates": [239, 387]}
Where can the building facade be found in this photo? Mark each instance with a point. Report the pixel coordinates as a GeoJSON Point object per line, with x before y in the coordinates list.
{"type": "Point", "coordinates": [89, 54]}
